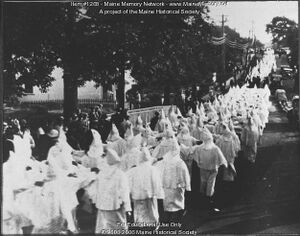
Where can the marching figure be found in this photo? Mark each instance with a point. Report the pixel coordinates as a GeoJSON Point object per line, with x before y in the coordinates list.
{"type": "Point", "coordinates": [209, 158]}
{"type": "Point", "coordinates": [175, 180]}
{"type": "Point", "coordinates": [249, 140]}
{"type": "Point", "coordinates": [112, 196]}
{"type": "Point", "coordinates": [145, 188]}
{"type": "Point", "coordinates": [227, 145]}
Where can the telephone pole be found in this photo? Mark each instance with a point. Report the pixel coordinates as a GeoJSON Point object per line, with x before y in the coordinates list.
{"type": "Point", "coordinates": [252, 29]}
{"type": "Point", "coordinates": [223, 49]}
{"type": "Point", "coordinates": [298, 64]}
{"type": "Point", "coordinates": [253, 37]}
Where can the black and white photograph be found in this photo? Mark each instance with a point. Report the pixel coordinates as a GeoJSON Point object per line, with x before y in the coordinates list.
{"type": "Point", "coordinates": [159, 117]}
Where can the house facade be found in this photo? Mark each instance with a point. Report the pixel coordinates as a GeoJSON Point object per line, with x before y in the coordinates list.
{"type": "Point", "coordinates": [88, 91]}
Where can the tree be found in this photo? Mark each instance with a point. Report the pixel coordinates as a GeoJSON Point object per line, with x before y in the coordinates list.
{"type": "Point", "coordinates": [171, 52]}
{"type": "Point", "coordinates": [161, 50]}
{"type": "Point", "coordinates": [285, 34]}
{"type": "Point", "coordinates": [26, 59]}
{"type": "Point", "coordinates": [41, 36]}
{"type": "Point", "coordinates": [37, 38]}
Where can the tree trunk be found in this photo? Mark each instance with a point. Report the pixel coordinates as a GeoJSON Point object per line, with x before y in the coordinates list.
{"type": "Point", "coordinates": [121, 91]}
{"type": "Point", "coordinates": [296, 83]}
{"type": "Point", "coordinates": [167, 95]}
{"type": "Point", "coordinates": [70, 95]}
{"type": "Point", "coordinates": [194, 91]}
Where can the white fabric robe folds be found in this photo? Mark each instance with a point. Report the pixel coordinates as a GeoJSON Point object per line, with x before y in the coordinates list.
{"type": "Point", "coordinates": [249, 140]}
{"type": "Point", "coordinates": [145, 188]}
{"type": "Point", "coordinates": [176, 180]}
{"type": "Point", "coordinates": [229, 150]}
{"type": "Point", "coordinates": [209, 159]}
{"type": "Point", "coordinates": [112, 199]}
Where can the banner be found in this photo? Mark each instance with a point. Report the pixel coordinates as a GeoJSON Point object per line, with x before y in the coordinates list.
{"type": "Point", "coordinates": [221, 40]}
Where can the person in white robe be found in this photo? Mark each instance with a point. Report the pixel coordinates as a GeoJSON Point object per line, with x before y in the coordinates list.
{"type": "Point", "coordinates": [236, 139]}
{"type": "Point", "coordinates": [93, 158]}
{"type": "Point", "coordinates": [202, 111]}
{"type": "Point", "coordinates": [258, 123]}
{"type": "Point", "coordinates": [115, 142]}
{"type": "Point", "coordinates": [16, 181]}
{"type": "Point", "coordinates": [263, 114]}
{"type": "Point", "coordinates": [60, 157]}
{"type": "Point", "coordinates": [161, 124]}
{"type": "Point", "coordinates": [211, 113]}
{"type": "Point", "coordinates": [145, 189]}
{"type": "Point", "coordinates": [166, 145]}
{"type": "Point", "coordinates": [184, 138]}
{"type": "Point", "coordinates": [249, 140]}
{"type": "Point", "coordinates": [198, 112]}
{"type": "Point", "coordinates": [112, 197]}
{"type": "Point", "coordinates": [209, 158]}
{"type": "Point", "coordinates": [227, 145]}
{"type": "Point", "coordinates": [132, 154]}
{"type": "Point", "coordinates": [173, 117]}
{"type": "Point", "coordinates": [148, 138]}
{"type": "Point", "coordinates": [29, 139]}
{"type": "Point", "coordinates": [21, 145]}
{"type": "Point", "coordinates": [175, 180]}
{"type": "Point", "coordinates": [53, 205]}
{"type": "Point", "coordinates": [178, 112]}
{"type": "Point", "coordinates": [46, 211]}
{"type": "Point", "coordinates": [189, 113]}
{"type": "Point", "coordinates": [34, 204]}
{"type": "Point", "coordinates": [129, 132]}
{"type": "Point", "coordinates": [139, 126]}
{"type": "Point", "coordinates": [69, 176]}
{"type": "Point", "coordinates": [27, 180]}
{"type": "Point", "coordinates": [197, 130]}
{"type": "Point", "coordinates": [192, 122]}
{"type": "Point", "coordinates": [219, 125]}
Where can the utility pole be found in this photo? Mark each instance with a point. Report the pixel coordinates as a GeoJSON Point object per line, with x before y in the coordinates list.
{"type": "Point", "coordinates": [252, 29]}
{"type": "Point", "coordinates": [223, 49]}
{"type": "Point", "coordinates": [253, 37]}
{"type": "Point", "coordinates": [247, 51]}
{"type": "Point", "coordinates": [298, 64]}
{"type": "Point", "coordinates": [250, 40]}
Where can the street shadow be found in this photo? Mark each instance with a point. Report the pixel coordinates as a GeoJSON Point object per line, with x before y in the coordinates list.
{"type": "Point", "coordinates": [253, 225]}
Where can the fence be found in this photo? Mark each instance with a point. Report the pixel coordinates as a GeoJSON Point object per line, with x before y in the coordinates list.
{"type": "Point", "coordinates": [145, 113]}
{"type": "Point", "coordinates": [84, 104]}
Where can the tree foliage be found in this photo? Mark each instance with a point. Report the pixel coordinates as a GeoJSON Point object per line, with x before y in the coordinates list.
{"type": "Point", "coordinates": [285, 34]}
{"type": "Point", "coordinates": [173, 51]}
{"type": "Point", "coordinates": [162, 51]}
{"type": "Point", "coordinates": [159, 50]}
{"type": "Point", "coordinates": [27, 60]}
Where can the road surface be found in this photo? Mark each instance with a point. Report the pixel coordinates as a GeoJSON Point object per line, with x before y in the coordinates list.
{"type": "Point", "coordinates": [265, 198]}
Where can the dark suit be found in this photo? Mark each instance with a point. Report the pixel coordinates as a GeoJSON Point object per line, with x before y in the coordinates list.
{"type": "Point", "coordinates": [44, 143]}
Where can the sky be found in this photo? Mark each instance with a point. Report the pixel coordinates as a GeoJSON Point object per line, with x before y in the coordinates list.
{"type": "Point", "coordinates": [240, 16]}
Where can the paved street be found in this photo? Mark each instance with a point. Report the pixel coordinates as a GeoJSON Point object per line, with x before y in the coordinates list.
{"type": "Point", "coordinates": [265, 197]}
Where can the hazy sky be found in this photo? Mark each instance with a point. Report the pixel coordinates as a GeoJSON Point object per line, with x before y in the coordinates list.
{"type": "Point", "coordinates": [241, 14]}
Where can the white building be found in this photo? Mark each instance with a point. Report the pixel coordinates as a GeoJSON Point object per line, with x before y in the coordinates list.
{"type": "Point", "coordinates": [88, 91]}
